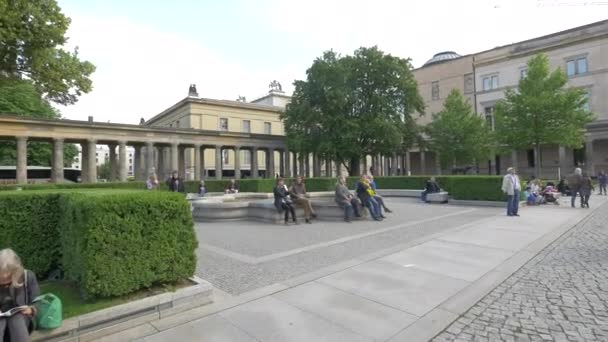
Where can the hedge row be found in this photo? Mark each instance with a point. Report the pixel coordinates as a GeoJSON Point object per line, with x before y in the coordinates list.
{"type": "Point", "coordinates": [110, 242]}
{"type": "Point", "coordinates": [460, 187]}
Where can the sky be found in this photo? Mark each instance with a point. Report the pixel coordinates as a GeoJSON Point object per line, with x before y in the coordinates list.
{"type": "Point", "coordinates": [147, 53]}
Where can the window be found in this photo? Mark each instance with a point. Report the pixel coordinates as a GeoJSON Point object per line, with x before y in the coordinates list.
{"type": "Point", "coordinates": [587, 105]}
{"type": "Point", "coordinates": [130, 161]}
{"type": "Point", "coordinates": [225, 157]}
{"type": "Point", "coordinates": [490, 82]}
{"type": "Point", "coordinates": [531, 161]}
{"type": "Point", "coordinates": [489, 114]}
{"type": "Point", "coordinates": [130, 167]}
{"type": "Point", "coordinates": [246, 157]}
{"type": "Point", "coordinates": [576, 66]}
{"type": "Point", "coordinates": [523, 73]}
{"type": "Point", "coordinates": [224, 125]}
{"type": "Point", "coordinates": [267, 128]}
{"type": "Point", "coordinates": [435, 90]}
{"type": "Point", "coordinates": [468, 83]}
{"type": "Point", "coordinates": [246, 126]}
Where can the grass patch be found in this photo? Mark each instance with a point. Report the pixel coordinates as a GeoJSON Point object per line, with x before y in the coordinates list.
{"type": "Point", "coordinates": [74, 305]}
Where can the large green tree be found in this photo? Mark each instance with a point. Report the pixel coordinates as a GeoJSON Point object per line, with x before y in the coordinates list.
{"type": "Point", "coordinates": [20, 97]}
{"type": "Point", "coordinates": [32, 34]}
{"type": "Point", "coordinates": [352, 106]}
{"type": "Point", "coordinates": [459, 135]}
{"type": "Point", "coordinates": [543, 110]}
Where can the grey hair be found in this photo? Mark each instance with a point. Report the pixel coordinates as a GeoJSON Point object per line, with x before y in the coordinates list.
{"type": "Point", "coordinates": [10, 263]}
{"type": "Point", "coordinates": [578, 171]}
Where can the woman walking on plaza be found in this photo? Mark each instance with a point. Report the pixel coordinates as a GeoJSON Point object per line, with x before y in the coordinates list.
{"type": "Point", "coordinates": [18, 288]}
{"type": "Point", "coordinates": [282, 201]}
{"type": "Point", "coordinates": [602, 178]}
{"type": "Point", "coordinates": [346, 200]}
{"type": "Point", "coordinates": [586, 189]}
{"type": "Point", "coordinates": [297, 191]}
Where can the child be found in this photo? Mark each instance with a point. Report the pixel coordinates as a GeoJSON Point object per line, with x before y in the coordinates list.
{"type": "Point", "coordinates": [202, 190]}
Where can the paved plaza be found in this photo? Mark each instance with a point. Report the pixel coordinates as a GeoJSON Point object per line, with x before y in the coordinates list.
{"type": "Point", "coordinates": [426, 269]}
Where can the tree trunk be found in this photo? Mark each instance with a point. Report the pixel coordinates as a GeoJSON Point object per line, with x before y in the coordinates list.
{"type": "Point", "coordinates": [537, 160]}
{"type": "Point", "coordinates": [354, 169]}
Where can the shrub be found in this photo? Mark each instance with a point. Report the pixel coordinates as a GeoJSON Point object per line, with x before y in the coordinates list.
{"type": "Point", "coordinates": [53, 186]}
{"type": "Point", "coordinates": [28, 225]}
{"type": "Point", "coordinates": [111, 242]}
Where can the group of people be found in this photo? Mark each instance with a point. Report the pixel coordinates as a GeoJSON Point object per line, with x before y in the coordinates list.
{"type": "Point", "coordinates": [575, 185]}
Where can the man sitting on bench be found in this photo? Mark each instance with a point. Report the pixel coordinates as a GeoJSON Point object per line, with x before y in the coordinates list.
{"type": "Point", "coordinates": [430, 188]}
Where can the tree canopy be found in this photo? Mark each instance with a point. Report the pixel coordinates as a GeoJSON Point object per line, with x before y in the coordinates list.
{"type": "Point", "coordinates": [352, 106]}
{"type": "Point", "coordinates": [543, 110]}
{"type": "Point", "coordinates": [459, 135]}
{"type": "Point", "coordinates": [20, 97]}
{"type": "Point", "coordinates": [32, 34]}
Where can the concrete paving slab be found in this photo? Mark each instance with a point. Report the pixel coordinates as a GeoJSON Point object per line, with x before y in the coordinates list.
{"type": "Point", "coordinates": [426, 327]}
{"type": "Point", "coordinates": [489, 236]}
{"type": "Point", "coordinates": [456, 260]}
{"type": "Point", "coordinates": [209, 329]}
{"type": "Point", "coordinates": [405, 288]}
{"type": "Point", "coordinates": [353, 312]}
{"type": "Point", "coordinates": [272, 320]}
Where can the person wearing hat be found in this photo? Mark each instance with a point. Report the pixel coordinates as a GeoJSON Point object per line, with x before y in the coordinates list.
{"type": "Point", "coordinates": [511, 187]}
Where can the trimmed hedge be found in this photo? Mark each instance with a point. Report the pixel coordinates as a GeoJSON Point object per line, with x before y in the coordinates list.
{"type": "Point", "coordinates": [53, 186]}
{"type": "Point", "coordinates": [111, 242]}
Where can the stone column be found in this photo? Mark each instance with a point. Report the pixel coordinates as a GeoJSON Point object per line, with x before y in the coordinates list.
{"type": "Point", "coordinates": [394, 164]}
{"type": "Point", "coordinates": [287, 163]}
{"type": "Point", "coordinates": [282, 163]}
{"type": "Point", "coordinates": [437, 163]}
{"type": "Point", "coordinates": [254, 163]}
{"type": "Point", "coordinates": [338, 168]}
{"type": "Point", "coordinates": [301, 168]}
{"type": "Point", "coordinates": [563, 170]}
{"type": "Point", "coordinates": [218, 162]}
{"type": "Point", "coordinates": [270, 171]}
{"type": "Point", "coordinates": [150, 169]}
{"type": "Point", "coordinates": [237, 162]}
{"type": "Point", "coordinates": [161, 160]}
{"type": "Point", "coordinates": [84, 160]}
{"type": "Point", "coordinates": [203, 166]}
{"type": "Point", "coordinates": [123, 164]}
{"type": "Point", "coordinates": [316, 166]}
{"type": "Point", "coordinates": [113, 166]}
{"type": "Point", "coordinates": [422, 162]}
{"type": "Point", "coordinates": [295, 161]}
{"type": "Point", "coordinates": [92, 163]}
{"type": "Point", "coordinates": [365, 165]}
{"type": "Point", "coordinates": [181, 160]}
{"type": "Point", "coordinates": [329, 168]}
{"type": "Point", "coordinates": [408, 163]}
{"type": "Point", "coordinates": [307, 165]}
{"type": "Point", "coordinates": [21, 160]}
{"type": "Point", "coordinates": [174, 158]}
{"type": "Point", "coordinates": [514, 159]}
{"type": "Point", "coordinates": [139, 167]}
{"type": "Point", "coordinates": [57, 171]}
{"type": "Point", "coordinates": [387, 168]}
{"type": "Point", "coordinates": [197, 162]}
{"type": "Point", "coordinates": [589, 157]}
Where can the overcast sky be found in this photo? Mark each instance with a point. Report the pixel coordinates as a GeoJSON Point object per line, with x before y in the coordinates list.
{"type": "Point", "coordinates": [148, 52]}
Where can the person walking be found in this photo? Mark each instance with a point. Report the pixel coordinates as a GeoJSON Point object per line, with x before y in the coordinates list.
{"type": "Point", "coordinates": [574, 183]}
{"type": "Point", "coordinates": [511, 187]}
{"type": "Point", "coordinates": [283, 203]}
{"type": "Point", "coordinates": [152, 182]}
{"type": "Point", "coordinates": [586, 190]}
{"type": "Point", "coordinates": [602, 179]}
{"type": "Point", "coordinates": [297, 191]}
{"type": "Point", "coordinates": [346, 200]}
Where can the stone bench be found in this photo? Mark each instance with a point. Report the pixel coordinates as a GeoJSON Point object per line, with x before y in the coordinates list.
{"type": "Point", "coordinates": [438, 197]}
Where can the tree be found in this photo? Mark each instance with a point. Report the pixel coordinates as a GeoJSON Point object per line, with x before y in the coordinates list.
{"type": "Point", "coordinates": [352, 106]}
{"type": "Point", "coordinates": [104, 171]}
{"type": "Point", "coordinates": [31, 36]}
{"type": "Point", "coordinates": [20, 97]}
{"type": "Point", "coordinates": [542, 111]}
{"type": "Point", "coordinates": [459, 135]}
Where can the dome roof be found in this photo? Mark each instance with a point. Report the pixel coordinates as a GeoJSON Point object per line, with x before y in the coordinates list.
{"type": "Point", "coordinates": [442, 57]}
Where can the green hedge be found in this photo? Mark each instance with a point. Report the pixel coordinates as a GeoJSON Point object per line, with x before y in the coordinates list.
{"type": "Point", "coordinates": [111, 242]}
{"type": "Point", "coordinates": [53, 186]}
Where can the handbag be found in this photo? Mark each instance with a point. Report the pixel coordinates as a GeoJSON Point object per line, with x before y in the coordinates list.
{"type": "Point", "coordinates": [50, 310]}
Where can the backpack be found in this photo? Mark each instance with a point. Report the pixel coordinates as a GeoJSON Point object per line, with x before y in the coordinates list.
{"type": "Point", "coordinates": [50, 310]}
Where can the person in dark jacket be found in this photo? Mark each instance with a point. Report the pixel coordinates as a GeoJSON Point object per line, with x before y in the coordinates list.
{"type": "Point", "coordinates": [602, 178]}
{"type": "Point", "coordinates": [574, 182]}
{"type": "Point", "coordinates": [175, 183]}
{"type": "Point", "coordinates": [365, 194]}
{"type": "Point", "coordinates": [586, 189]}
{"type": "Point", "coordinates": [282, 201]}
{"type": "Point", "coordinates": [18, 287]}
{"type": "Point", "coordinates": [431, 187]}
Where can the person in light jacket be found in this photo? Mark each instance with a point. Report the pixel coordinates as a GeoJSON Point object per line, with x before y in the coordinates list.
{"type": "Point", "coordinates": [346, 200]}
{"type": "Point", "coordinates": [511, 187]}
{"type": "Point", "coordinates": [18, 287]}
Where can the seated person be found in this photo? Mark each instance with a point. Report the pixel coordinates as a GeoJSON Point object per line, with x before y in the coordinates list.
{"type": "Point", "coordinates": [297, 191]}
{"type": "Point", "coordinates": [346, 200]}
{"type": "Point", "coordinates": [431, 187]}
{"type": "Point", "coordinates": [202, 190]}
{"type": "Point", "coordinates": [530, 196]}
{"type": "Point", "coordinates": [18, 287]}
{"type": "Point", "coordinates": [551, 194]}
{"type": "Point", "coordinates": [232, 187]}
{"type": "Point", "coordinates": [563, 188]}
{"type": "Point", "coordinates": [282, 201]}
{"type": "Point", "coordinates": [377, 197]}
{"type": "Point", "coordinates": [365, 194]}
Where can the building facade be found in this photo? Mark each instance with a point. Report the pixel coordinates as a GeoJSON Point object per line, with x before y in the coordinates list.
{"type": "Point", "coordinates": [102, 156]}
{"type": "Point", "coordinates": [581, 52]}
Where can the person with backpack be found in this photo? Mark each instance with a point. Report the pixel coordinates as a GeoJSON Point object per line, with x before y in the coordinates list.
{"type": "Point", "coordinates": [18, 289]}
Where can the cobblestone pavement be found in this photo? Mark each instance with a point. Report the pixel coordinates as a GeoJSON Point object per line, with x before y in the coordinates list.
{"type": "Point", "coordinates": [560, 295]}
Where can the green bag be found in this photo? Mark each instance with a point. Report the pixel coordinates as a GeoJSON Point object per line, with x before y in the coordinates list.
{"type": "Point", "coordinates": [49, 312]}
